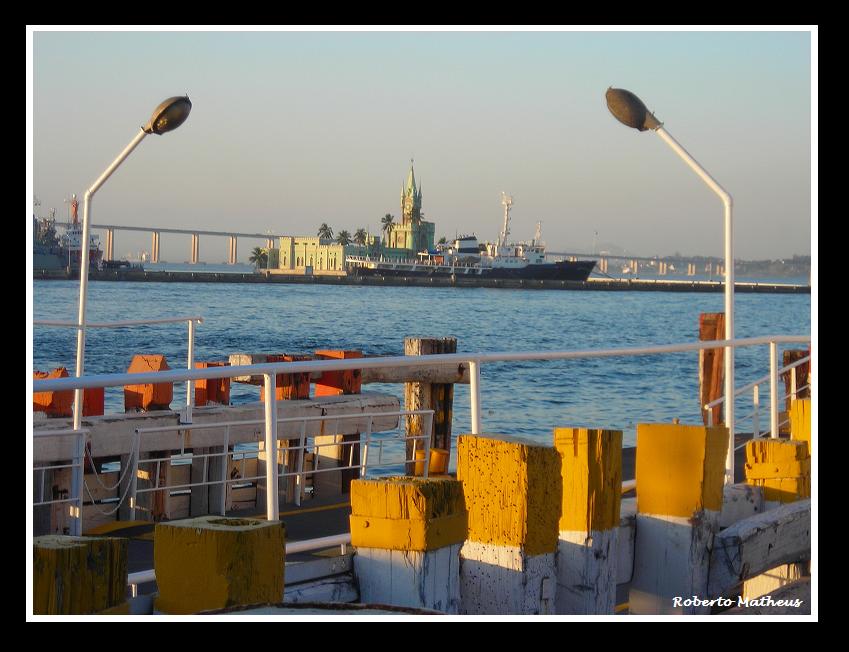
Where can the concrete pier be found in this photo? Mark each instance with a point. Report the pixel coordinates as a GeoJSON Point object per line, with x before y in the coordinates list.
{"type": "Point", "coordinates": [597, 284]}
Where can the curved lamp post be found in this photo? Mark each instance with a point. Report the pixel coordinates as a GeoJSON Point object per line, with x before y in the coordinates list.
{"type": "Point", "coordinates": [169, 115]}
{"type": "Point", "coordinates": [630, 111]}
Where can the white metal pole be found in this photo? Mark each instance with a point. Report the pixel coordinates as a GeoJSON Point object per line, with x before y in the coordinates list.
{"type": "Point", "coordinates": [87, 198]}
{"type": "Point", "coordinates": [272, 510]}
{"type": "Point", "coordinates": [727, 201]}
{"type": "Point", "coordinates": [756, 415]}
{"type": "Point", "coordinates": [773, 389]}
{"type": "Point", "coordinates": [190, 399]}
{"type": "Point", "coordinates": [475, 395]}
{"type": "Point", "coordinates": [77, 472]}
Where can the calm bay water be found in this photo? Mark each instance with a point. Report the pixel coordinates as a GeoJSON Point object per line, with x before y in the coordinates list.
{"type": "Point", "coordinates": [529, 398]}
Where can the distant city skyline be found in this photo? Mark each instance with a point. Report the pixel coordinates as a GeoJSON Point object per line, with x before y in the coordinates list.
{"type": "Point", "coordinates": [292, 129]}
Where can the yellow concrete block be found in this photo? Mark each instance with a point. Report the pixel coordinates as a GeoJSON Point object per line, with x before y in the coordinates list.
{"type": "Point", "coordinates": [800, 421]}
{"type": "Point", "coordinates": [591, 470]}
{"type": "Point", "coordinates": [78, 575]}
{"type": "Point", "coordinates": [212, 562]}
{"type": "Point", "coordinates": [782, 467]}
{"type": "Point", "coordinates": [680, 469]}
{"type": "Point", "coordinates": [513, 491]}
{"type": "Point", "coordinates": [404, 513]}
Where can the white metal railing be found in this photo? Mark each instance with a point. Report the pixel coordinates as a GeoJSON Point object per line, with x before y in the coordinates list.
{"type": "Point", "coordinates": [299, 452]}
{"type": "Point", "coordinates": [754, 387]}
{"type": "Point", "coordinates": [75, 500]}
{"type": "Point", "coordinates": [474, 360]}
{"type": "Point", "coordinates": [186, 416]}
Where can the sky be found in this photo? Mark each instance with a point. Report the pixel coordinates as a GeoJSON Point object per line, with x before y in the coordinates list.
{"type": "Point", "coordinates": [291, 129]}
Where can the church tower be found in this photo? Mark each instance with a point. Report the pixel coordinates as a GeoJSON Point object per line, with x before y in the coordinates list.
{"type": "Point", "coordinates": [411, 200]}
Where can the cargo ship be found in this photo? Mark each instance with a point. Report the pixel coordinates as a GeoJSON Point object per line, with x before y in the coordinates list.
{"type": "Point", "coordinates": [53, 252]}
{"type": "Point", "coordinates": [467, 258]}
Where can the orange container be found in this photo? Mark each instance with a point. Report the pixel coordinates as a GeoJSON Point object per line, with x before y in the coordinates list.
{"type": "Point", "coordinates": [290, 386]}
{"type": "Point", "coordinates": [153, 396]}
{"type": "Point", "coordinates": [56, 404]}
{"type": "Point", "coordinates": [216, 390]}
{"type": "Point", "coordinates": [334, 383]}
{"type": "Point", "coordinates": [93, 402]}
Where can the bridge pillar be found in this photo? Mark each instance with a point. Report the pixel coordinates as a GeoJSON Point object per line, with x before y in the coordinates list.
{"type": "Point", "coordinates": [110, 244]}
{"type": "Point", "coordinates": [195, 255]}
{"type": "Point", "coordinates": [154, 247]}
{"type": "Point", "coordinates": [233, 250]}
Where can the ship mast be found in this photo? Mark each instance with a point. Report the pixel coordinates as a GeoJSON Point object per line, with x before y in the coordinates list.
{"type": "Point", "coordinates": [507, 202]}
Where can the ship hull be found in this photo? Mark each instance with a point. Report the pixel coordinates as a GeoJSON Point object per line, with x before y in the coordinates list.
{"type": "Point", "coordinates": [560, 271]}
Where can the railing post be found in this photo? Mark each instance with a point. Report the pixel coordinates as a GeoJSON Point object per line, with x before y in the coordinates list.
{"type": "Point", "coordinates": [189, 384]}
{"type": "Point", "coordinates": [756, 414]}
{"type": "Point", "coordinates": [773, 390]}
{"type": "Point", "coordinates": [475, 395]}
{"type": "Point", "coordinates": [78, 483]}
{"type": "Point", "coordinates": [272, 509]}
{"type": "Point", "coordinates": [793, 389]}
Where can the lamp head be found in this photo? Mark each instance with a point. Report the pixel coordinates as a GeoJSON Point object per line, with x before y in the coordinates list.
{"type": "Point", "coordinates": [630, 110]}
{"type": "Point", "coordinates": [169, 115]}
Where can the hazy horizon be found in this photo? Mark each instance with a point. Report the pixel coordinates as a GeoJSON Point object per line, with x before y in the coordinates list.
{"type": "Point", "coordinates": [292, 129]}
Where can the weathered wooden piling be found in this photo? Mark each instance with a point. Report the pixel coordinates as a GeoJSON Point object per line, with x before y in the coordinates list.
{"type": "Point", "coordinates": [680, 475]}
{"type": "Point", "coordinates": [513, 491]}
{"type": "Point", "coordinates": [711, 369]}
{"type": "Point", "coordinates": [78, 575]}
{"type": "Point", "coordinates": [407, 533]}
{"type": "Point", "coordinates": [591, 472]}
{"type": "Point", "coordinates": [438, 397]}
{"type": "Point", "coordinates": [212, 562]}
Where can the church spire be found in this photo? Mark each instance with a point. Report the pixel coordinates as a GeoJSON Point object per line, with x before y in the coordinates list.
{"type": "Point", "coordinates": [411, 198]}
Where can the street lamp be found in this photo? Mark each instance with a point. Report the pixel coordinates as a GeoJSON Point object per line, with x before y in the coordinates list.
{"type": "Point", "coordinates": [630, 111]}
{"type": "Point", "coordinates": [169, 115]}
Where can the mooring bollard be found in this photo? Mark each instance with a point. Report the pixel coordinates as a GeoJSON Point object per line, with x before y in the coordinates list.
{"type": "Point", "coordinates": [680, 475]}
{"type": "Point", "coordinates": [513, 492]}
{"type": "Point", "coordinates": [407, 533]}
{"type": "Point", "coordinates": [79, 575]}
{"type": "Point", "coordinates": [212, 562]}
{"type": "Point", "coordinates": [591, 471]}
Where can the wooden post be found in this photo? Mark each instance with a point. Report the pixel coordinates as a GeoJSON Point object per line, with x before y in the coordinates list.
{"type": "Point", "coordinates": [408, 533]}
{"type": "Point", "coordinates": [783, 469]}
{"type": "Point", "coordinates": [711, 370]}
{"type": "Point", "coordinates": [513, 491]}
{"type": "Point", "coordinates": [78, 575]}
{"type": "Point", "coordinates": [212, 562]}
{"type": "Point", "coordinates": [438, 397]}
{"type": "Point", "coordinates": [802, 372]}
{"type": "Point", "coordinates": [680, 474]}
{"type": "Point", "coordinates": [591, 472]}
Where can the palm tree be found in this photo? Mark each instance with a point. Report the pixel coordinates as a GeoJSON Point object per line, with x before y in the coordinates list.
{"type": "Point", "coordinates": [387, 223]}
{"type": "Point", "coordinates": [259, 257]}
{"type": "Point", "coordinates": [360, 237]}
{"type": "Point", "coordinates": [325, 232]}
{"type": "Point", "coordinates": [343, 238]}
